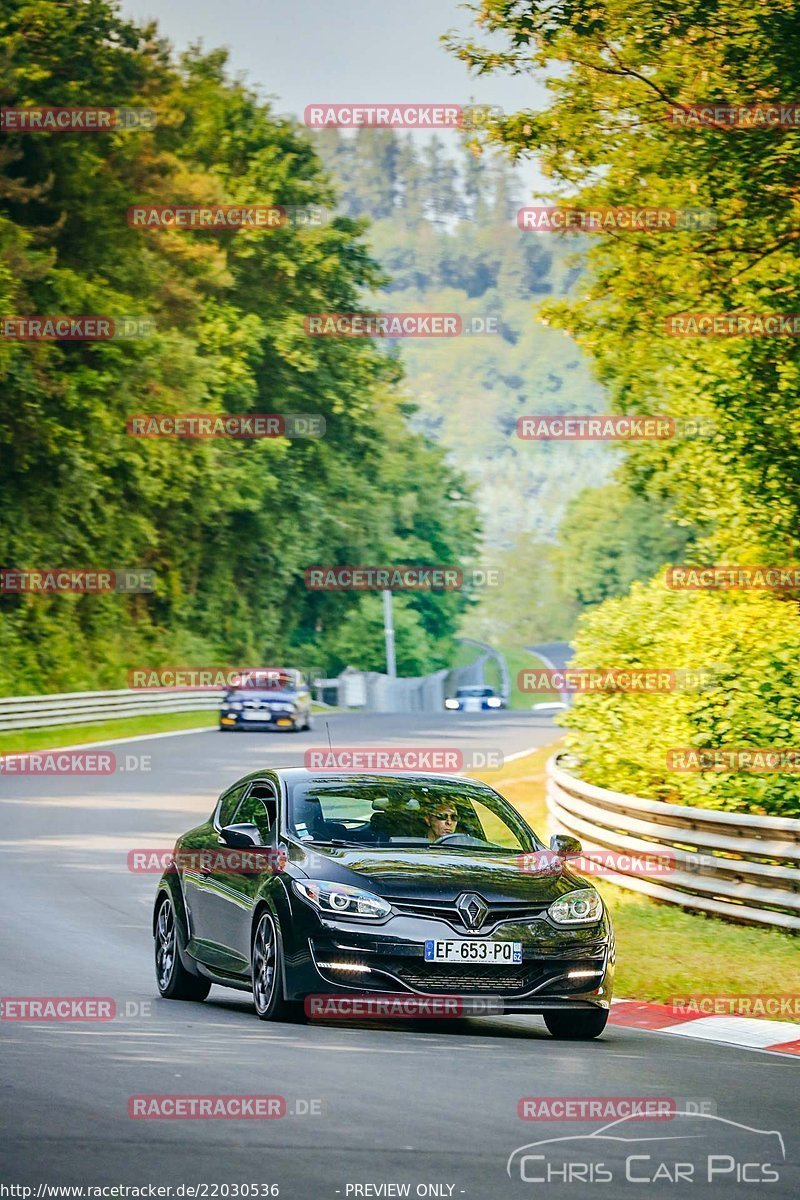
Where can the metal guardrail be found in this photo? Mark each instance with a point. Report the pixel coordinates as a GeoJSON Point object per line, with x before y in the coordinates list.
{"type": "Point", "coordinates": [735, 865]}
{"type": "Point", "coordinates": [382, 694]}
{"type": "Point", "coordinates": [82, 708]}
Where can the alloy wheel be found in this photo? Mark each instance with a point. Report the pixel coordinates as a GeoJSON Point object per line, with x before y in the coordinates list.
{"type": "Point", "coordinates": [264, 963]}
{"type": "Point", "coordinates": [165, 945]}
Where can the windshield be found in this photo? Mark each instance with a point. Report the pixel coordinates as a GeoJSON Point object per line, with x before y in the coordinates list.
{"type": "Point", "coordinates": [388, 814]}
{"type": "Point", "coordinates": [265, 681]}
{"type": "Point", "coordinates": [475, 691]}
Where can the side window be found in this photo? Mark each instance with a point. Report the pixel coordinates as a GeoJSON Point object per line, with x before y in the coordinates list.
{"type": "Point", "coordinates": [260, 808]}
{"type": "Point", "coordinates": [228, 804]}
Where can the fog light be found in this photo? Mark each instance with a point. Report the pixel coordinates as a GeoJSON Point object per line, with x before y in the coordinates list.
{"type": "Point", "coordinates": [584, 974]}
{"type": "Point", "coordinates": [343, 966]}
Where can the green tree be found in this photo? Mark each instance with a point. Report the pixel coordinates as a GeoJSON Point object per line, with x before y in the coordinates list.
{"type": "Point", "coordinates": [616, 74]}
{"type": "Point", "coordinates": [229, 527]}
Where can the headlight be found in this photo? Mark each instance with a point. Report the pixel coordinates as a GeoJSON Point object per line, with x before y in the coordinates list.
{"type": "Point", "coordinates": [583, 907]}
{"type": "Point", "coordinates": [451, 704]}
{"type": "Point", "coordinates": [234, 706]}
{"type": "Point", "coordinates": [340, 900]}
{"type": "Point", "coordinates": [494, 702]}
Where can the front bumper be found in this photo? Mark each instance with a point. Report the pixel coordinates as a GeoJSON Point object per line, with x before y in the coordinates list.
{"type": "Point", "coordinates": [269, 721]}
{"type": "Point", "coordinates": [390, 958]}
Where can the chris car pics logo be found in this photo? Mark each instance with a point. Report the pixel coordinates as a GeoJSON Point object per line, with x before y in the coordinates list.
{"type": "Point", "coordinates": [691, 1148]}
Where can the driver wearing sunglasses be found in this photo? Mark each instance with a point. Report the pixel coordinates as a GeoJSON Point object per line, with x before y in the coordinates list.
{"type": "Point", "coordinates": [441, 820]}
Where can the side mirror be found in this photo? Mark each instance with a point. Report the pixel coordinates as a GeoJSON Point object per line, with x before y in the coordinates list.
{"type": "Point", "coordinates": [563, 846]}
{"type": "Point", "coordinates": [241, 837]}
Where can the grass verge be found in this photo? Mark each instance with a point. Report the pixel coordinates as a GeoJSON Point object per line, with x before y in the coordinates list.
{"type": "Point", "coordinates": [664, 951]}
{"type": "Point", "coordinates": [23, 740]}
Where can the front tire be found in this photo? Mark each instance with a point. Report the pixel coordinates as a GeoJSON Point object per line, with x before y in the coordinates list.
{"type": "Point", "coordinates": [576, 1026]}
{"type": "Point", "coordinates": [267, 959]}
{"type": "Point", "coordinates": [174, 982]}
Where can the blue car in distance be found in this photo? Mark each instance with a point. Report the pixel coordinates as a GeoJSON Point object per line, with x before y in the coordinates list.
{"type": "Point", "coordinates": [267, 700]}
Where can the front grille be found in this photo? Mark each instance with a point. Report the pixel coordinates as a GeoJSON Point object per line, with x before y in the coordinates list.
{"type": "Point", "coordinates": [544, 974]}
{"type": "Point", "coordinates": [447, 977]}
{"type": "Point", "coordinates": [447, 911]}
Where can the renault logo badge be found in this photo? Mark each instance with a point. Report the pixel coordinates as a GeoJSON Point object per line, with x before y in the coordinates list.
{"type": "Point", "coordinates": [472, 910]}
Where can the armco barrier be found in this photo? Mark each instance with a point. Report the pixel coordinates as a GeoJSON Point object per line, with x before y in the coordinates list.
{"type": "Point", "coordinates": [734, 865]}
{"type": "Point", "coordinates": [82, 708]}
{"type": "Point", "coordinates": [381, 694]}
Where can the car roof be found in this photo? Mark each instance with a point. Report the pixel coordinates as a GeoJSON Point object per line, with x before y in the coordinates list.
{"type": "Point", "coordinates": [303, 774]}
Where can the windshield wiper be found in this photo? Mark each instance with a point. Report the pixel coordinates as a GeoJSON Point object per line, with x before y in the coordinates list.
{"type": "Point", "coordinates": [333, 842]}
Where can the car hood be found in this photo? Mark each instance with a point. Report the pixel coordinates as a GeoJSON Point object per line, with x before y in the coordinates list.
{"type": "Point", "coordinates": [435, 875]}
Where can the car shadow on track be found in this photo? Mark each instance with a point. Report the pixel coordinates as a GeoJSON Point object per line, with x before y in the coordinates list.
{"type": "Point", "coordinates": [515, 1026]}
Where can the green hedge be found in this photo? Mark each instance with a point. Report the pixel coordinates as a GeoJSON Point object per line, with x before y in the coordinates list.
{"type": "Point", "coordinates": [747, 646]}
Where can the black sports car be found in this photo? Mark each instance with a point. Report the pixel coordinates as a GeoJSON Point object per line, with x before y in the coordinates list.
{"type": "Point", "coordinates": [267, 700]}
{"type": "Point", "coordinates": [304, 883]}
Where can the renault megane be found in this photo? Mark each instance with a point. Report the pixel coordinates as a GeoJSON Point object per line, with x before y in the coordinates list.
{"type": "Point", "coordinates": [304, 883]}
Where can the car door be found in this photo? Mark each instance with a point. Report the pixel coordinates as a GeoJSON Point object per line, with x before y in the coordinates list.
{"type": "Point", "coordinates": [234, 882]}
{"type": "Point", "coordinates": [200, 888]}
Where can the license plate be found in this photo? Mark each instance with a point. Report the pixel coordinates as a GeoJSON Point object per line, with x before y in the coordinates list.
{"type": "Point", "coordinates": [257, 716]}
{"type": "Point", "coordinates": [483, 951]}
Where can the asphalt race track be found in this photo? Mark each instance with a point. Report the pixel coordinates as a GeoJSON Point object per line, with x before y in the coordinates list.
{"type": "Point", "coordinates": [431, 1105]}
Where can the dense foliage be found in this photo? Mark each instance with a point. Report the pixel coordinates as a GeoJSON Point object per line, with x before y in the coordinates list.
{"type": "Point", "coordinates": [228, 526]}
{"type": "Point", "coordinates": [739, 652]}
{"type": "Point", "coordinates": [615, 74]}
